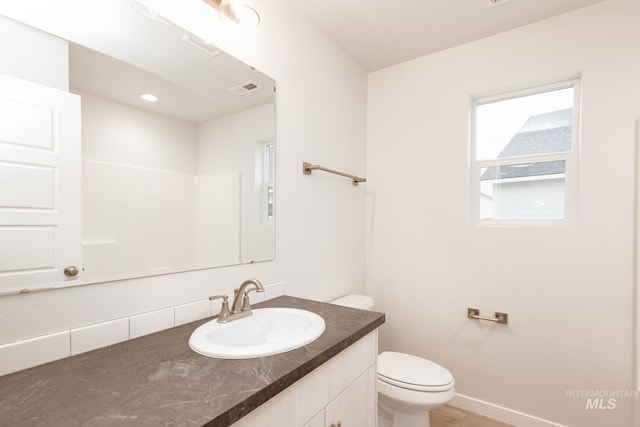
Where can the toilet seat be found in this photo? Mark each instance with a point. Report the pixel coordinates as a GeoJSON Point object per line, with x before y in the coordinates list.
{"type": "Point", "coordinates": [413, 373]}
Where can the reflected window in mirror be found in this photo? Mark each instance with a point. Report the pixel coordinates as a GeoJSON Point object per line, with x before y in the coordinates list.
{"type": "Point", "coordinates": [268, 181]}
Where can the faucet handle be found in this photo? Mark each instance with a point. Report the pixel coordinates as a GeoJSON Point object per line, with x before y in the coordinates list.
{"type": "Point", "coordinates": [223, 317]}
{"type": "Point", "coordinates": [245, 301]}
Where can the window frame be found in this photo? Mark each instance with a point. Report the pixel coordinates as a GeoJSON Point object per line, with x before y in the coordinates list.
{"type": "Point", "coordinates": [571, 159]}
{"type": "Point", "coordinates": [267, 183]}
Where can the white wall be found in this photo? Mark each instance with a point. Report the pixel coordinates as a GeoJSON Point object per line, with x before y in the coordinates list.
{"type": "Point", "coordinates": [568, 291]}
{"type": "Point", "coordinates": [138, 187]}
{"type": "Point", "coordinates": [217, 219]}
{"type": "Point", "coordinates": [321, 113]}
{"type": "Point", "coordinates": [117, 133]}
{"type": "Point", "coordinates": [233, 143]}
{"type": "Point", "coordinates": [50, 69]}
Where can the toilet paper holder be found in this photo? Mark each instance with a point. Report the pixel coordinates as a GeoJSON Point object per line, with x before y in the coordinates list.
{"type": "Point", "coordinates": [474, 313]}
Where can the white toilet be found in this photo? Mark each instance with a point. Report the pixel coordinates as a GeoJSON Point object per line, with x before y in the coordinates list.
{"type": "Point", "coordinates": [408, 386]}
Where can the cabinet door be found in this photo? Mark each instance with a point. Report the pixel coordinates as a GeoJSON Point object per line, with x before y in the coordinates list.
{"type": "Point", "coordinates": [40, 205]}
{"type": "Point", "coordinates": [357, 405]}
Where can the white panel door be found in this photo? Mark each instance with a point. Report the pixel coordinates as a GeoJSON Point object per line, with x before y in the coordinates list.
{"type": "Point", "coordinates": [40, 188]}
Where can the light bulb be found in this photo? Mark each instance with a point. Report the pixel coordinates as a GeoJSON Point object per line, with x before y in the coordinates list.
{"type": "Point", "coordinates": [239, 12]}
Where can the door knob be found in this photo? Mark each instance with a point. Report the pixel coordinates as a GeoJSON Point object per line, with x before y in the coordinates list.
{"type": "Point", "coordinates": [71, 271]}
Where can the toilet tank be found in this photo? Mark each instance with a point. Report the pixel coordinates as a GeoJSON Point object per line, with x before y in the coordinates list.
{"type": "Point", "coordinates": [362, 302]}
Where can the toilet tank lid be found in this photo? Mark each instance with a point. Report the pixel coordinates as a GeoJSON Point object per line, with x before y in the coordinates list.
{"type": "Point", "coordinates": [362, 302]}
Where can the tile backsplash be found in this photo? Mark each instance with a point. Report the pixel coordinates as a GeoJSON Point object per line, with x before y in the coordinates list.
{"type": "Point", "coordinates": [153, 321]}
{"type": "Point", "coordinates": [99, 335]}
{"type": "Point", "coordinates": [27, 353]}
{"type": "Point", "coordinates": [35, 351]}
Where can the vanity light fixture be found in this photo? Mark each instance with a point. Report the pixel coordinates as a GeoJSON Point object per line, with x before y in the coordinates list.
{"type": "Point", "coordinates": [241, 13]}
{"type": "Point", "coordinates": [202, 45]}
{"type": "Point", "coordinates": [148, 12]}
{"type": "Point", "coordinates": [149, 97]}
{"type": "Point", "coordinates": [494, 3]}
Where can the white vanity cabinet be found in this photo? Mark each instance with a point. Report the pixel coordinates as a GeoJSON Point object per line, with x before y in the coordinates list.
{"type": "Point", "coordinates": [356, 405]}
{"type": "Point", "coordinates": [341, 390]}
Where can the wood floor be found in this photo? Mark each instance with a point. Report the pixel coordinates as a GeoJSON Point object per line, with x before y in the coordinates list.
{"type": "Point", "coordinates": [449, 416]}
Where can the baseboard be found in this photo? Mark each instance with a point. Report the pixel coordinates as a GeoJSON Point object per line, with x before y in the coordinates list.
{"type": "Point", "coordinates": [499, 413]}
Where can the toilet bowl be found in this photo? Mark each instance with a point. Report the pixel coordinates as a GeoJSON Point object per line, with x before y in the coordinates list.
{"type": "Point", "coordinates": [408, 386]}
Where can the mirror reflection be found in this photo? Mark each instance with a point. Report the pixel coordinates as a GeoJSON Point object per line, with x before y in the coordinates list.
{"type": "Point", "coordinates": [183, 179]}
{"type": "Point", "coordinates": [167, 188]}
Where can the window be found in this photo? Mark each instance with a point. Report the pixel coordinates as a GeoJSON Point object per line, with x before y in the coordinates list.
{"type": "Point", "coordinates": [524, 157]}
{"type": "Point", "coordinates": [267, 181]}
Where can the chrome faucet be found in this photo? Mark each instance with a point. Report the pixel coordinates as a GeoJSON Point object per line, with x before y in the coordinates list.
{"type": "Point", "coordinates": [240, 307]}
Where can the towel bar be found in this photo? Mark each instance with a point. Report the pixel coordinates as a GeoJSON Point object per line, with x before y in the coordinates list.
{"type": "Point", "coordinates": [308, 167]}
{"type": "Point", "coordinates": [474, 313]}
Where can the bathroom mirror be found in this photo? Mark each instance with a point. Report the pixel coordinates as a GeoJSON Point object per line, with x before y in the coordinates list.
{"type": "Point", "coordinates": [182, 183]}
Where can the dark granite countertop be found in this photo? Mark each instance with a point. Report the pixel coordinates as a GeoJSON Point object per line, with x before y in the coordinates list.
{"type": "Point", "coordinates": [158, 380]}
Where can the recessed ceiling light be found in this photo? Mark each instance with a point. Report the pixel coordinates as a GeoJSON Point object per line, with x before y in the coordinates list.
{"type": "Point", "coordinates": [149, 97]}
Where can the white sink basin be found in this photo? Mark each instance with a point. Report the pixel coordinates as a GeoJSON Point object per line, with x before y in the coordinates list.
{"type": "Point", "coordinates": [266, 332]}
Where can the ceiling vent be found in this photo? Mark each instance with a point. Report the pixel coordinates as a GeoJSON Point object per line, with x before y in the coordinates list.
{"type": "Point", "coordinates": [244, 88]}
{"type": "Point", "coordinates": [494, 3]}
